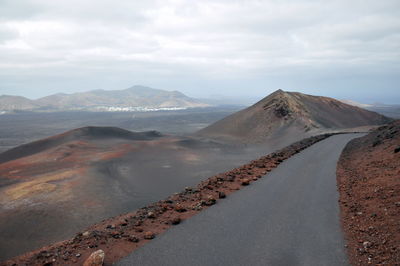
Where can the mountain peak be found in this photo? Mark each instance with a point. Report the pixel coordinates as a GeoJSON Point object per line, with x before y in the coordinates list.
{"type": "Point", "coordinates": [282, 104]}
{"type": "Point", "coordinates": [277, 93]}
{"type": "Point", "coordinates": [290, 114]}
{"type": "Point", "coordinates": [140, 88]}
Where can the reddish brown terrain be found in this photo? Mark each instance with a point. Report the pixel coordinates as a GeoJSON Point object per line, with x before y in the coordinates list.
{"type": "Point", "coordinates": [120, 235]}
{"type": "Point", "coordinates": [52, 188]}
{"type": "Point", "coordinates": [283, 115]}
{"type": "Point", "coordinates": [44, 185]}
{"type": "Point", "coordinates": [369, 184]}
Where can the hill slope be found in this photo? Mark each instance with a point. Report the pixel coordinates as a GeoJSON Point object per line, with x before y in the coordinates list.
{"type": "Point", "coordinates": [11, 103]}
{"type": "Point", "coordinates": [84, 133]}
{"type": "Point", "coordinates": [290, 113]}
{"type": "Point", "coordinates": [369, 185]}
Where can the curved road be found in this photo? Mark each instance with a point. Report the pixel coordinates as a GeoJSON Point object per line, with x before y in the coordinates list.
{"type": "Point", "coordinates": [289, 217]}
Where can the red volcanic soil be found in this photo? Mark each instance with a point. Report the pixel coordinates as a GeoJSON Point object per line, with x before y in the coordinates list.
{"type": "Point", "coordinates": [369, 184]}
{"type": "Point", "coordinates": [48, 195]}
{"type": "Point", "coordinates": [67, 152]}
{"type": "Point", "coordinates": [67, 156]}
{"type": "Point", "coordinates": [89, 133]}
{"type": "Point", "coordinates": [120, 235]}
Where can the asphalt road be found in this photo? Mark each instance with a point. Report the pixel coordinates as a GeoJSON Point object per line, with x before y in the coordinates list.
{"type": "Point", "coordinates": [289, 217]}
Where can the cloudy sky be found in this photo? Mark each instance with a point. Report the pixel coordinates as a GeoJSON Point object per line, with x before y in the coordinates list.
{"type": "Point", "coordinates": [244, 49]}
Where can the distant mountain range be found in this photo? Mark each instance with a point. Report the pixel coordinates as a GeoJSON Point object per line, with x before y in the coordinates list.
{"type": "Point", "coordinates": [288, 115]}
{"type": "Point", "coordinates": [136, 98]}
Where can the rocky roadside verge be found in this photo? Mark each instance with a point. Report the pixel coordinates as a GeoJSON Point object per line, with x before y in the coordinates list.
{"type": "Point", "coordinates": [369, 184]}
{"type": "Point", "coordinates": [115, 238]}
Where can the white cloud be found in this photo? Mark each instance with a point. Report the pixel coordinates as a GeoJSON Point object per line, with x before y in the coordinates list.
{"type": "Point", "coordinates": [192, 41]}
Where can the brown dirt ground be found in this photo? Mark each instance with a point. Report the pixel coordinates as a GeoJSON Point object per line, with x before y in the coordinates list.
{"type": "Point", "coordinates": [369, 184]}
{"type": "Point", "coordinates": [121, 235]}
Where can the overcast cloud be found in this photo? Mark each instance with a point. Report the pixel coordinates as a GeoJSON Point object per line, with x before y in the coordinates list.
{"type": "Point", "coordinates": [345, 49]}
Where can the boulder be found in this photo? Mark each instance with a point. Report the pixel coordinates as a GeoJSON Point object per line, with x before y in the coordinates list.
{"type": "Point", "coordinates": [245, 182]}
{"type": "Point", "coordinates": [149, 235]}
{"type": "Point", "coordinates": [95, 259]}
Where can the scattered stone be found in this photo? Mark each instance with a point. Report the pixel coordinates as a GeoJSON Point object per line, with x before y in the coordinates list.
{"type": "Point", "coordinates": [149, 235]}
{"type": "Point", "coordinates": [367, 244]}
{"type": "Point", "coordinates": [86, 234]}
{"type": "Point", "coordinates": [245, 182]}
{"type": "Point", "coordinates": [210, 200]}
{"type": "Point", "coordinates": [176, 221]}
{"type": "Point", "coordinates": [110, 226]}
{"type": "Point", "coordinates": [179, 208]}
{"type": "Point", "coordinates": [397, 150]}
{"type": "Point", "coordinates": [151, 215]}
{"type": "Point", "coordinates": [78, 255]}
{"type": "Point", "coordinates": [116, 235]}
{"type": "Point", "coordinates": [361, 250]}
{"type": "Point", "coordinates": [95, 259]}
{"type": "Point", "coordinates": [133, 239]}
{"type": "Point", "coordinates": [221, 195]}
{"type": "Point", "coordinates": [397, 204]}
{"type": "Point", "coordinates": [198, 206]}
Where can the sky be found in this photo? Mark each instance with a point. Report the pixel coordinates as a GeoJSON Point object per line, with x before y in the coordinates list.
{"type": "Point", "coordinates": [209, 48]}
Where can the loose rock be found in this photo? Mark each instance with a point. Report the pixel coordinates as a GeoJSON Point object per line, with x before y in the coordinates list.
{"type": "Point", "coordinates": [179, 208]}
{"type": "Point", "coordinates": [149, 235]}
{"type": "Point", "coordinates": [210, 201]}
{"type": "Point", "coordinates": [367, 244]}
{"type": "Point", "coordinates": [95, 259]}
{"type": "Point", "coordinates": [151, 215]}
{"type": "Point", "coordinates": [133, 238]}
{"type": "Point", "coordinates": [176, 221]}
{"type": "Point", "coordinates": [245, 182]}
